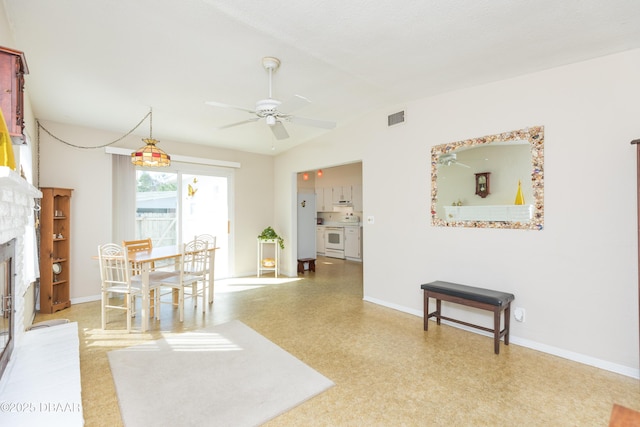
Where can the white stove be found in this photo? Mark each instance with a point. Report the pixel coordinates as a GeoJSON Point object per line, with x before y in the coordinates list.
{"type": "Point", "coordinates": [334, 236]}
{"type": "Point", "coordinates": [349, 220]}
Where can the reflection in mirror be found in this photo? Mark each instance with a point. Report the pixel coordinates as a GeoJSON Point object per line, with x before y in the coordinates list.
{"type": "Point", "coordinates": [515, 162]}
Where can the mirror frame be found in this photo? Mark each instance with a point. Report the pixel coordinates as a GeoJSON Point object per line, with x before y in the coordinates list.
{"type": "Point", "coordinates": [535, 136]}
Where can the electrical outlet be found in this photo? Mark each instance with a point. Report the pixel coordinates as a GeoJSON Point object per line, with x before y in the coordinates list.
{"type": "Point", "coordinates": [519, 314]}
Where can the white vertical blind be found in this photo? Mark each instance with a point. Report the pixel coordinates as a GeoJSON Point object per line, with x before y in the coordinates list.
{"type": "Point", "coordinates": [124, 198]}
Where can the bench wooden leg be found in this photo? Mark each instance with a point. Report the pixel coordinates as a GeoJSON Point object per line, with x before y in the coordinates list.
{"type": "Point", "coordinates": [438, 309]}
{"type": "Point", "coordinates": [426, 310]}
{"type": "Point", "coordinates": [496, 330]}
{"type": "Point", "coordinates": [507, 322]}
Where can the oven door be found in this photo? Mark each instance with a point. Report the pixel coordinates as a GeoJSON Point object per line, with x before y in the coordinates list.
{"type": "Point", "coordinates": [334, 238]}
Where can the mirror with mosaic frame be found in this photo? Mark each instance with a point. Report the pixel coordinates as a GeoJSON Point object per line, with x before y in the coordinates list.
{"type": "Point", "coordinates": [515, 161]}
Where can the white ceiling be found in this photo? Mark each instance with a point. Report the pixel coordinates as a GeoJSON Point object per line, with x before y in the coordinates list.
{"type": "Point", "coordinates": [103, 63]}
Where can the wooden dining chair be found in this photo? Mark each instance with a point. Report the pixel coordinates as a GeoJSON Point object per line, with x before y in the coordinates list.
{"type": "Point", "coordinates": [209, 279]}
{"type": "Point", "coordinates": [135, 246]}
{"type": "Point", "coordinates": [194, 265]}
{"type": "Point", "coordinates": [141, 245]}
{"type": "Point", "coordinates": [117, 279]}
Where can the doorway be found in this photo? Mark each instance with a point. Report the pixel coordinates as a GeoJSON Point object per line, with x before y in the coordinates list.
{"type": "Point", "coordinates": [323, 183]}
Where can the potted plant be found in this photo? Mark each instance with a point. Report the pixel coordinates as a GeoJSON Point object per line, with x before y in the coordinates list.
{"type": "Point", "coordinates": [270, 234]}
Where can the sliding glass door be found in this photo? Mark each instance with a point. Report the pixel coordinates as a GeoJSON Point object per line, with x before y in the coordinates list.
{"type": "Point", "coordinates": [205, 210]}
{"type": "Point", "coordinates": [178, 203]}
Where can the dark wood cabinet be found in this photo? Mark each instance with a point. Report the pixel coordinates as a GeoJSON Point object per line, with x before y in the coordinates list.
{"type": "Point", "coordinates": [55, 249]}
{"type": "Point", "coordinates": [13, 67]}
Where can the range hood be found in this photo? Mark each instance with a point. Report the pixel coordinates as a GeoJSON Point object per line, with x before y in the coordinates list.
{"type": "Point", "coordinates": [342, 203]}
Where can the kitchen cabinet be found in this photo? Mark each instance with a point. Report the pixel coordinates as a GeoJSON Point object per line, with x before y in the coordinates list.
{"type": "Point", "coordinates": [356, 198]}
{"type": "Point", "coordinates": [320, 240]}
{"type": "Point", "coordinates": [324, 199]}
{"type": "Point", "coordinates": [55, 249]}
{"type": "Point", "coordinates": [353, 243]}
{"type": "Point", "coordinates": [327, 197]}
{"type": "Point", "coordinates": [13, 67]}
{"type": "Point", "coordinates": [342, 193]}
{"type": "Point", "coordinates": [319, 199]}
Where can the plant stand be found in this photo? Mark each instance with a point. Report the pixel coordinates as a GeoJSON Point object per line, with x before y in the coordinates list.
{"type": "Point", "coordinates": [276, 250]}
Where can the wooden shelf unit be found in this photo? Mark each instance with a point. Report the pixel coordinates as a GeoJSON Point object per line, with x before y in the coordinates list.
{"type": "Point", "coordinates": [55, 248]}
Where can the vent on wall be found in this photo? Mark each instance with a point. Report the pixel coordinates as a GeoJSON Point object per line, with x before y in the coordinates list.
{"type": "Point", "coordinates": [395, 118]}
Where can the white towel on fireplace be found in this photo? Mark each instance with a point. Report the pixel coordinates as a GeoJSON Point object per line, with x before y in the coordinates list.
{"type": "Point", "coordinates": [32, 269]}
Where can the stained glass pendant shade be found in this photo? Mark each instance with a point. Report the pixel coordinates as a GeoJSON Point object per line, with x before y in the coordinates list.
{"type": "Point", "coordinates": [150, 155]}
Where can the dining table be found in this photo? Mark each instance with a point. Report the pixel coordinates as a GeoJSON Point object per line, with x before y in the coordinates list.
{"type": "Point", "coordinates": [147, 258]}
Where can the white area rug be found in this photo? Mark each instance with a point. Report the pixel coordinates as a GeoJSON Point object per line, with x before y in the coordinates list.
{"type": "Point", "coordinates": [227, 375]}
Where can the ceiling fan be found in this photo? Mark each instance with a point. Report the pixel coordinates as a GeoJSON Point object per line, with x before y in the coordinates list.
{"type": "Point", "coordinates": [448, 159]}
{"type": "Point", "coordinates": [273, 111]}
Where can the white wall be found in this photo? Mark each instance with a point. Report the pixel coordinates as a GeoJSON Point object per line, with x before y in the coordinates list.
{"type": "Point", "coordinates": [577, 278]}
{"type": "Point", "coordinates": [88, 172]}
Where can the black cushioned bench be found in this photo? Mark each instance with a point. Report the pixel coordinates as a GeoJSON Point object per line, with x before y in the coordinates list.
{"type": "Point", "coordinates": [485, 299]}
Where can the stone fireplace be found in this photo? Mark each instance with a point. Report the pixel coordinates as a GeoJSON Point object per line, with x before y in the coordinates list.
{"type": "Point", "coordinates": [58, 384]}
{"type": "Point", "coordinates": [17, 203]}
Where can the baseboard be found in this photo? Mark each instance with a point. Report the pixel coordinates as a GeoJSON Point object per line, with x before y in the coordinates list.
{"type": "Point", "coordinates": [544, 348]}
{"type": "Point", "coordinates": [90, 298]}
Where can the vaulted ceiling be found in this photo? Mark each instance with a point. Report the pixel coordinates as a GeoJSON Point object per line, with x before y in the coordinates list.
{"type": "Point", "coordinates": [103, 64]}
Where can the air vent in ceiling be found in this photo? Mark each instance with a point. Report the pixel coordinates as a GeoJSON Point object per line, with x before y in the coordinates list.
{"type": "Point", "coordinates": [395, 118]}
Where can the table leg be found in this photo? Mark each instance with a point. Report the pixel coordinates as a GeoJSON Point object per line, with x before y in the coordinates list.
{"type": "Point", "coordinates": [144, 310]}
{"type": "Point", "coordinates": [212, 261]}
{"type": "Point", "coordinates": [175, 294]}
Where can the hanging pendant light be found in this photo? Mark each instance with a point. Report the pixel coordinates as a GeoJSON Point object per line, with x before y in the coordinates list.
{"type": "Point", "coordinates": [150, 155]}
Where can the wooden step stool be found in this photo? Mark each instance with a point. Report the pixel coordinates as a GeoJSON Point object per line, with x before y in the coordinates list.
{"type": "Point", "coordinates": [312, 264]}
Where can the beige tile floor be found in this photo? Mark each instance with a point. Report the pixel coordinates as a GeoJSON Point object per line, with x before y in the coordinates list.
{"type": "Point", "coordinates": [387, 370]}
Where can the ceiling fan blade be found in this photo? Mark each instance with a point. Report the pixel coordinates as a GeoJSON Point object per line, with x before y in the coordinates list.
{"type": "Point", "coordinates": [279, 130]}
{"type": "Point", "coordinates": [235, 107]}
{"type": "Point", "coordinates": [293, 104]}
{"type": "Point", "coordinates": [312, 122]}
{"type": "Point", "coordinates": [255, 119]}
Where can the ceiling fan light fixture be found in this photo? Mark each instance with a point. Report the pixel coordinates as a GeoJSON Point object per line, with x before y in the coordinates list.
{"type": "Point", "coordinates": [269, 108]}
{"type": "Point", "coordinates": [270, 63]}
